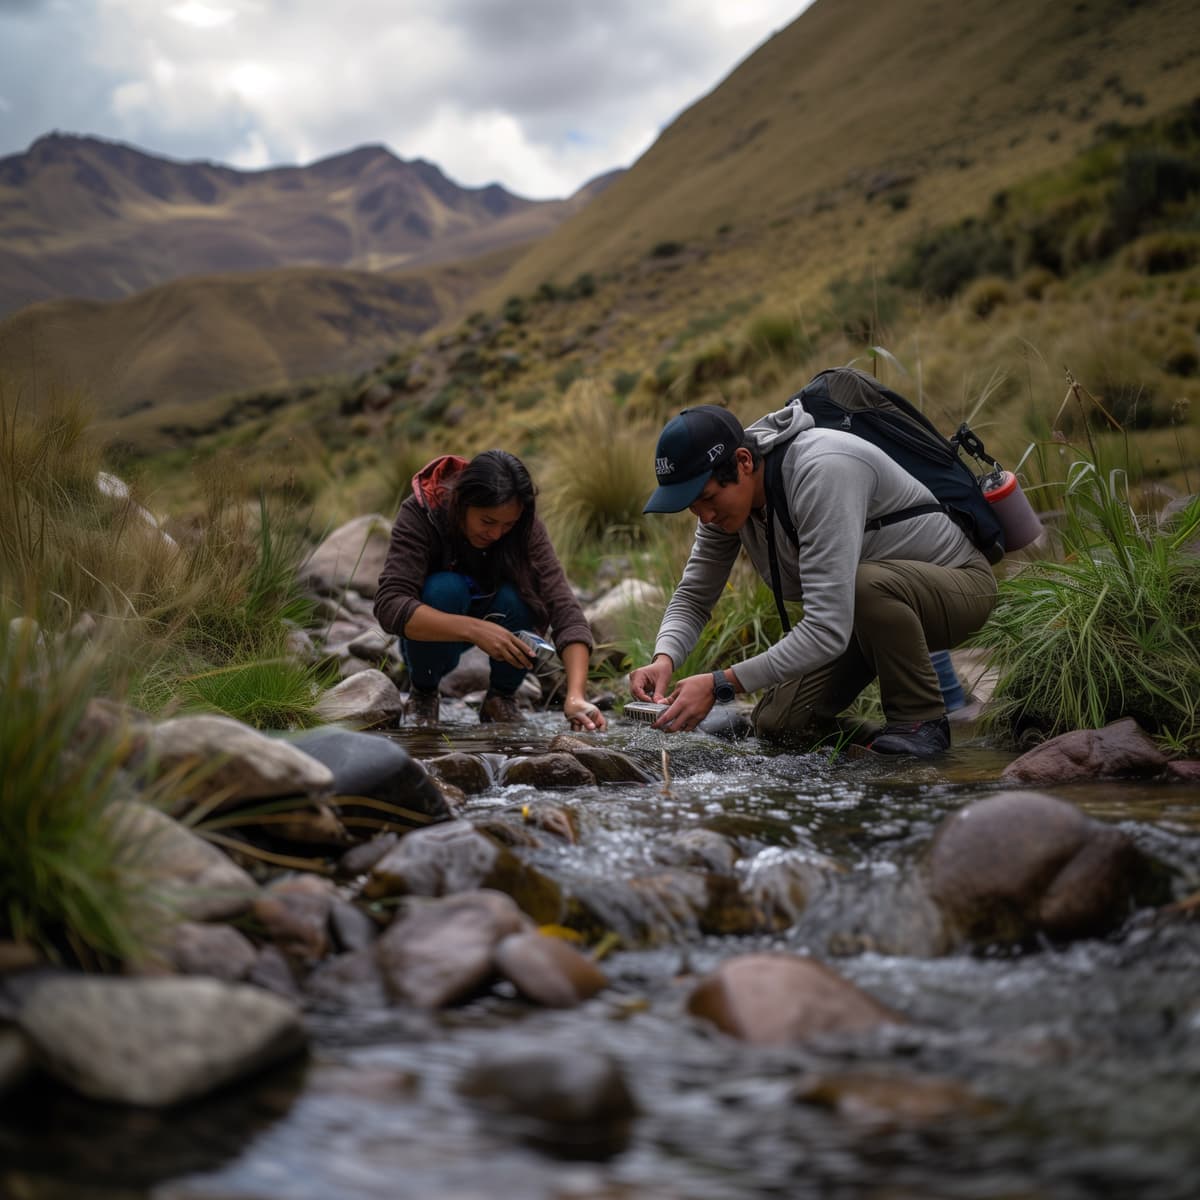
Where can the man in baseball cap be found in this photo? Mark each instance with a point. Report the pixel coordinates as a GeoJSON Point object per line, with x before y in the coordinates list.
{"type": "Point", "coordinates": [689, 447]}
{"type": "Point", "coordinates": [831, 520]}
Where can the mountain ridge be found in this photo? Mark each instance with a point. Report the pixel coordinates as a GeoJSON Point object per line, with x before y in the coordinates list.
{"type": "Point", "coordinates": [89, 218]}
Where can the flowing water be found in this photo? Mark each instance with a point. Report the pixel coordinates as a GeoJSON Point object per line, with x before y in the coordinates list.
{"type": "Point", "coordinates": [1063, 1072]}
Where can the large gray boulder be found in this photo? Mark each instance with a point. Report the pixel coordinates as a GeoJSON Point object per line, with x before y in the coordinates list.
{"type": "Point", "coordinates": [156, 1042]}
{"type": "Point", "coordinates": [189, 877]}
{"type": "Point", "coordinates": [366, 699]}
{"type": "Point", "coordinates": [350, 557]}
{"type": "Point", "coordinates": [231, 763]}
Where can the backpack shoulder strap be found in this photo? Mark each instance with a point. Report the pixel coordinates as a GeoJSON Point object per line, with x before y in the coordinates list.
{"type": "Point", "coordinates": [777, 509]}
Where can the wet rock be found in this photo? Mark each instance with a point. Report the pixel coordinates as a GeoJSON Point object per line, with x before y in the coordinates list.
{"type": "Point", "coordinates": [473, 674]}
{"type": "Point", "coordinates": [553, 819]}
{"type": "Point", "coordinates": [294, 914]}
{"type": "Point", "coordinates": [1122, 748]}
{"type": "Point", "coordinates": [772, 999]}
{"type": "Point", "coordinates": [16, 1059]}
{"type": "Point", "coordinates": [156, 1042]}
{"type": "Point", "coordinates": [546, 771]}
{"type": "Point", "coordinates": [882, 1100]}
{"type": "Point", "coordinates": [219, 951]}
{"type": "Point", "coordinates": [456, 857]}
{"type": "Point", "coordinates": [366, 700]}
{"type": "Point", "coordinates": [232, 762]}
{"type": "Point", "coordinates": [352, 929]}
{"type": "Point", "coordinates": [575, 1104]}
{"type": "Point", "coordinates": [360, 859]}
{"type": "Point", "coordinates": [374, 645]}
{"type": "Point", "coordinates": [782, 882]}
{"type": "Point", "coordinates": [352, 980]}
{"type": "Point", "coordinates": [124, 728]}
{"type": "Point", "coordinates": [1021, 863]}
{"type": "Point", "coordinates": [473, 773]}
{"type": "Point", "coordinates": [703, 848]}
{"type": "Point", "coordinates": [442, 951]}
{"type": "Point", "coordinates": [186, 874]}
{"type": "Point", "coordinates": [376, 783]}
{"type": "Point", "coordinates": [273, 972]}
{"type": "Point", "coordinates": [350, 557]}
{"type": "Point", "coordinates": [309, 824]}
{"type": "Point", "coordinates": [16, 956]}
{"type": "Point", "coordinates": [608, 766]}
{"type": "Point", "coordinates": [730, 721]}
{"type": "Point", "coordinates": [548, 971]}
{"type": "Point", "coordinates": [1183, 771]}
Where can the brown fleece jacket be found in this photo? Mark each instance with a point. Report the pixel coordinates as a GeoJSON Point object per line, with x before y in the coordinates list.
{"type": "Point", "coordinates": [419, 548]}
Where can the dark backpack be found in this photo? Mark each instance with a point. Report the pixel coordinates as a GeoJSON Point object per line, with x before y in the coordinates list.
{"type": "Point", "coordinates": [853, 401]}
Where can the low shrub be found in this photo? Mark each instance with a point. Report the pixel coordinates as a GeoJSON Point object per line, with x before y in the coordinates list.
{"type": "Point", "coordinates": [940, 263]}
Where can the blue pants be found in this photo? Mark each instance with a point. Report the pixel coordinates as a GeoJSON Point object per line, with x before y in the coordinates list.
{"type": "Point", "coordinates": [452, 593]}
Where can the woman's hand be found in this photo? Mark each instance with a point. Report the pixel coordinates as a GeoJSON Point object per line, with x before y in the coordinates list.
{"type": "Point", "coordinates": [582, 714]}
{"type": "Point", "coordinates": [501, 644]}
{"type": "Point", "coordinates": [651, 681]}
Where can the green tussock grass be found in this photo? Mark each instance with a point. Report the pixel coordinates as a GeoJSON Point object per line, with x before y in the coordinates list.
{"type": "Point", "coordinates": [69, 881]}
{"type": "Point", "coordinates": [1107, 629]}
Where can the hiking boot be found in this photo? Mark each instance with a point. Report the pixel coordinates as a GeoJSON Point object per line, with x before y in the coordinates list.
{"type": "Point", "coordinates": [422, 707]}
{"type": "Point", "coordinates": [497, 708]}
{"type": "Point", "coordinates": [923, 739]}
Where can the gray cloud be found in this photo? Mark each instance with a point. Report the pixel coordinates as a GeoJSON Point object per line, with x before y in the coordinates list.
{"type": "Point", "coordinates": [538, 94]}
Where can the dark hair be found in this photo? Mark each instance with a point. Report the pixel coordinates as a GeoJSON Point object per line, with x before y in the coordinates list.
{"type": "Point", "coordinates": [490, 479]}
{"type": "Point", "coordinates": [726, 472]}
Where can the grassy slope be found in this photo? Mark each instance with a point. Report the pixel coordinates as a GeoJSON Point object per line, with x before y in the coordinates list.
{"type": "Point", "coordinates": [820, 157]}
{"type": "Point", "coordinates": [962, 95]}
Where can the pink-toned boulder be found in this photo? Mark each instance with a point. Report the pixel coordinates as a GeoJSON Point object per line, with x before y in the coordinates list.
{"type": "Point", "coordinates": [294, 914]}
{"type": "Point", "coordinates": [773, 999]}
{"type": "Point", "coordinates": [1122, 748]}
{"type": "Point", "coordinates": [548, 971]}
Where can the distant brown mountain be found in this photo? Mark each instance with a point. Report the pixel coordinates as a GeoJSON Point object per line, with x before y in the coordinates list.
{"type": "Point", "coordinates": [92, 219]}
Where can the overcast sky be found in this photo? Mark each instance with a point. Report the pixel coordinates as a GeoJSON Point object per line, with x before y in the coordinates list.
{"type": "Point", "coordinates": [539, 95]}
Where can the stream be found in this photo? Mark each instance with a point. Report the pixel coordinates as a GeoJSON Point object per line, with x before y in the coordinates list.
{"type": "Point", "coordinates": [1058, 1071]}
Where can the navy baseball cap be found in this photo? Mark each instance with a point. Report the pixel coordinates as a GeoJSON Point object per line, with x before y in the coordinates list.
{"type": "Point", "coordinates": [689, 447]}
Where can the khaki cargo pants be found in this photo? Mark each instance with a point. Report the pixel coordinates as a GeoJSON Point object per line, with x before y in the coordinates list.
{"type": "Point", "coordinates": [902, 611]}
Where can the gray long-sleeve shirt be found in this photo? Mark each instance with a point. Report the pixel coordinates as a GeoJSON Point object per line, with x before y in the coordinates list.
{"type": "Point", "coordinates": [834, 482]}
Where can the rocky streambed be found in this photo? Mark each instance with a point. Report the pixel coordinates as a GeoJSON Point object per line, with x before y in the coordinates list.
{"type": "Point", "coordinates": [511, 962]}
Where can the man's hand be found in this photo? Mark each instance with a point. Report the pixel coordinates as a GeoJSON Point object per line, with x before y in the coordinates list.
{"type": "Point", "coordinates": [582, 714]}
{"type": "Point", "coordinates": [690, 702]}
{"type": "Point", "coordinates": [651, 681]}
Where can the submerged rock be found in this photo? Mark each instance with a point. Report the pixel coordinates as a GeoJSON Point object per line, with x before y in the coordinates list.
{"type": "Point", "coordinates": [442, 951]}
{"type": "Point", "coordinates": [772, 999]}
{"type": "Point", "coordinates": [457, 857]}
{"type": "Point", "coordinates": [548, 971]}
{"type": "Point", "coordinates": [576, 1104]}
{"type": "Point", "coordinates": [1022, 863]}
{"type": "Point", "coordinates": [546, 771]}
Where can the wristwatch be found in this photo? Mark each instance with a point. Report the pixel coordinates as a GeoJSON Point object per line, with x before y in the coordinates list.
{"type": "Point", "coordinates": [723, 691]}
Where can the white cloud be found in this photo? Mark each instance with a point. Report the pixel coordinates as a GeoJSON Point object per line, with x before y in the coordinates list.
{"type": "Point", "coordinates": [540, 95]}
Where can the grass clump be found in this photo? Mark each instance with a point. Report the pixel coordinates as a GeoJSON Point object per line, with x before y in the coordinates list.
{"type": "Point", "coordinates": [67, 878]}
{"type": "Point", "coordinates": [1109, 629]}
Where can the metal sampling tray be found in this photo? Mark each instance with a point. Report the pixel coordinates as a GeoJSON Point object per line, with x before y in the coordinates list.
{"type": "Point", "coordinates": [645, 711]}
